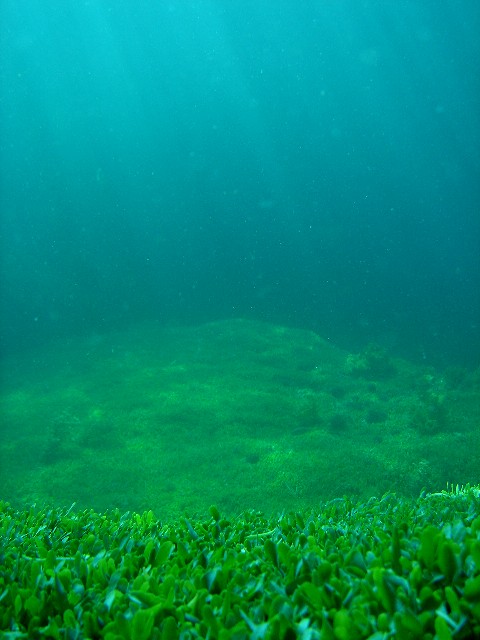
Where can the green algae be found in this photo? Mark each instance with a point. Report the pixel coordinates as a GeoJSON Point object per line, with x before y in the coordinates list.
{"type": "Point", "coordinates": [237, 413]}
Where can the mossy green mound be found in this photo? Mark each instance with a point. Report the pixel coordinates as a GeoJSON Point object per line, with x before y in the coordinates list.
{"type": "Point", "coordinates": [389, 567]}
{"type": "Point", "coordinates": [237, 413]}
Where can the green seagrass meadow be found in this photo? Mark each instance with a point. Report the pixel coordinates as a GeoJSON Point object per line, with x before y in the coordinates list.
{"type": "Point", "coordinates": [345, 486]}
{"type": "Point", "coordinates": [387, 568]}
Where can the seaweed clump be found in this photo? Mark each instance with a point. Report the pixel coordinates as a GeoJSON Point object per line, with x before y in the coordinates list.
{"type": "Point", "coordinates": [339, 422]}
{"type": "Point", "coordinates": [373, 363]}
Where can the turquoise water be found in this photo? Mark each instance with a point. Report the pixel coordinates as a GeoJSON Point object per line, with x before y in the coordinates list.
{"type": "Point", "coordinates": [312, 164]}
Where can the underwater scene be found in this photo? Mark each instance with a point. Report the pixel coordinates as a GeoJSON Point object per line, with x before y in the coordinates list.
{"type": "Point", "coordinates": [240, 319]}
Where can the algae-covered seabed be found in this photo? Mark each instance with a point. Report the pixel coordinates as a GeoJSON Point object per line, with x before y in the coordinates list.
{"type": "Point", "coordinates": [236, 413]}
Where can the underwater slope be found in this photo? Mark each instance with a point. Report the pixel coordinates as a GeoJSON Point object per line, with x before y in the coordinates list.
{"type": "Point", "coordinates": [235, 413]}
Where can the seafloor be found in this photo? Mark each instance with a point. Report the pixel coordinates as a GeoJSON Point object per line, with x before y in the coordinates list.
{"type": "Point", "coordinates": [242, 414]}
